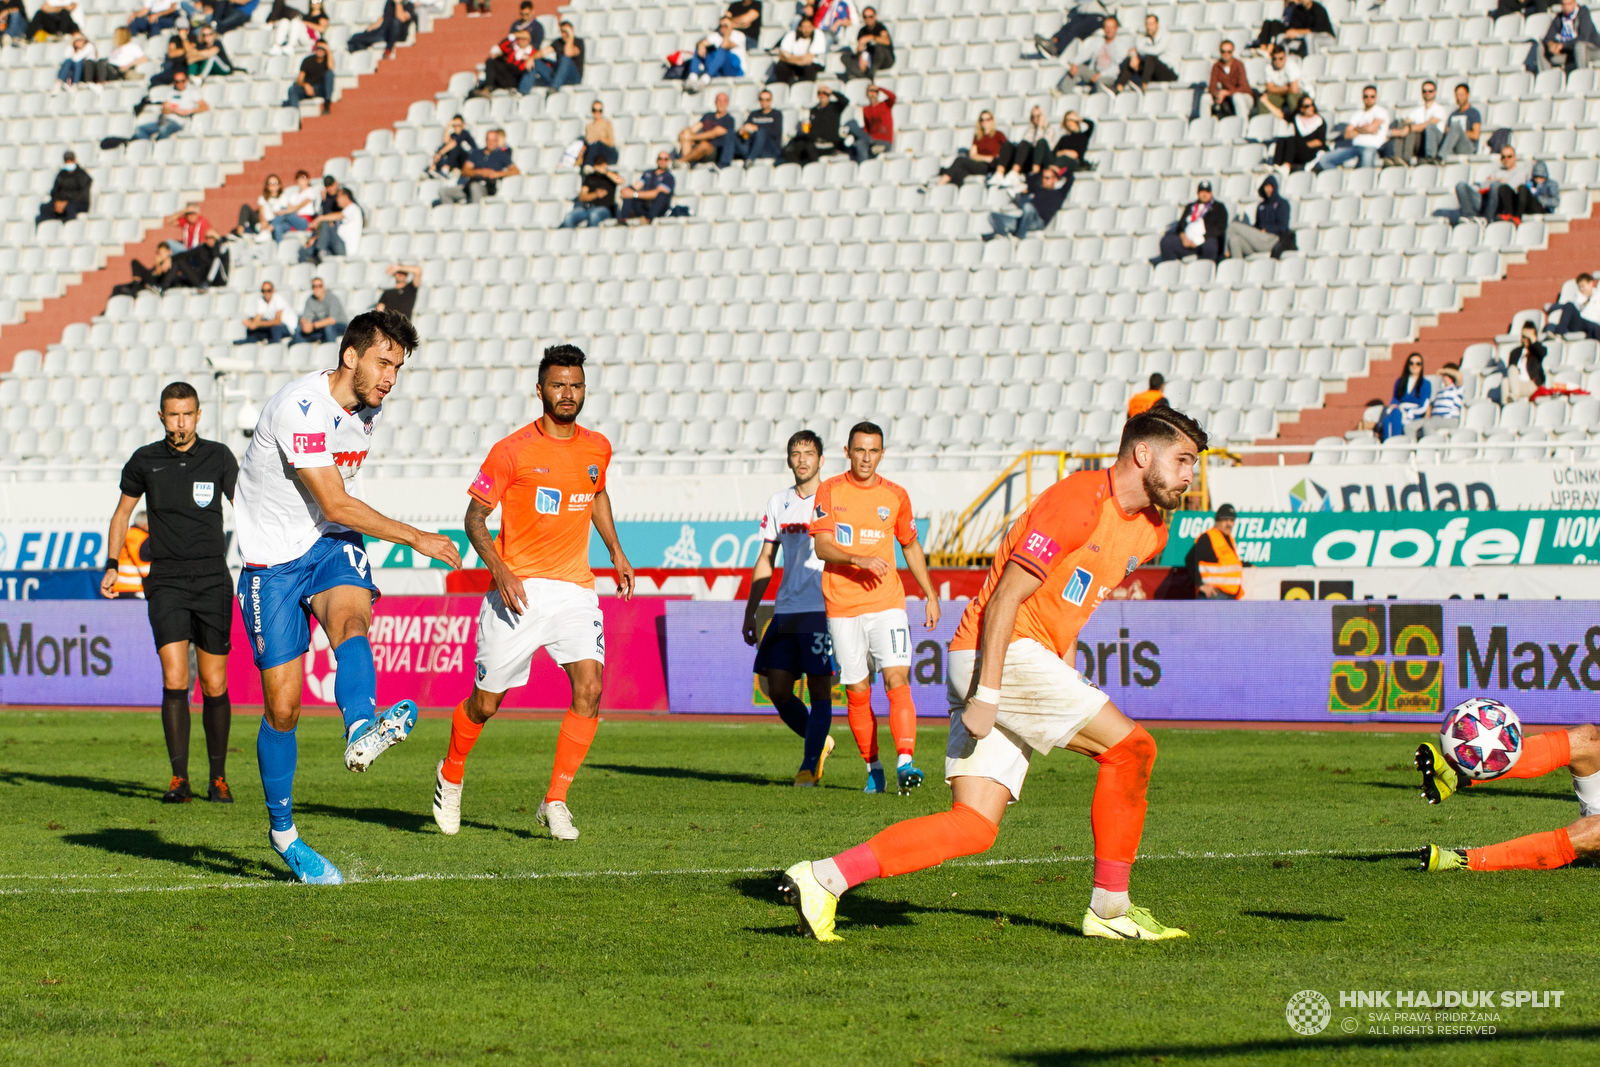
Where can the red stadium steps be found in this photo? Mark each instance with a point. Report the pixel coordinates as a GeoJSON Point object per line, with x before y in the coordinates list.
{"type": "Point", "coordinates": [1531, 283]}
{"type": "Point", "coordinates": [377, 102]}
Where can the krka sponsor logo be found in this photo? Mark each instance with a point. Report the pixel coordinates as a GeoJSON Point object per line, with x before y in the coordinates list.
{"type": "Point", "coordinates": [1388, 658]}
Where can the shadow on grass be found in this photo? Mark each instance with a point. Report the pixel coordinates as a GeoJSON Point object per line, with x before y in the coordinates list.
{"type": "Point", "coordinates": [1489, 792]}
{"type": "Point", "coordinates": [1313, 1048]}
{"type": "Point", "coordinates": [405, 821]}
{"type": "Point", "coordinates": [864, 911]}
{"type": "Point", "coordinates": [114, 786]}
{"type": "Point", "coordinates": [148, 845]}
{"type": "Point", "coordinates": [1295, 916]}
{"type": "Point", "coordinates": [732, 777]}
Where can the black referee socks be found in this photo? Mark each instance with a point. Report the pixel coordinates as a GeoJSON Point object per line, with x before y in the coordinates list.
{"type": "Point", "coordinates": [217, 716]}
{"type": "Point", "coordinates": [175, 725]}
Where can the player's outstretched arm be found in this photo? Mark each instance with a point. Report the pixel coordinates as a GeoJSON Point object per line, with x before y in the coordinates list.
{"type": "Point", "coordinates": [999, 622]}
{"type": "Point", "coordinates": [326, 486]}
{"type": "Point", "coordinates": [507, 584]}
{"type": "Point", "coordinates": [603, 522]}
{"type": "Point", "coordinates": [114, 539]}
{"type": "Point", "coordinates": [760, 578]}
{"type": "Point", "coordinates": [828, 550]}
{"type": "Point", "coordinates": [919, 570]}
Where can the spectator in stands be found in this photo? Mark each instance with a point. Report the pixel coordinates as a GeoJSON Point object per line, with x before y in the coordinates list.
{"type": "Point", "coordinates": [322, 319]}
{"type": "Point", "coordinates": [711, 138]}
{"type": "Point", "coordinates": [1497, 195]}
{"type": "Point", "coordinates": [599, 137]}
{"type": "Point", "coordinates": [1408, 400]}
{"type": "Point", "coordinates": [1464, 127]}
{"type": "Point", "coordinates": [53, 19]}
{"type": "Point", "coordinates": [267, 323]}
{"type": "Point", "coordinates": [297, 206]}
{"type": "Point", "coordinates": [822, 134]}
{"type": "Point", "coordinates": [179, 103]}
{"type": "Point", "coordinates": [1571, 41]}
{"type": "Point", "coordinates": [876, 134]}
{"type": "Point", "coordinates": [1576, 310]}
{"type": "Point", "coordinates": [1139, 403]}
{"type": "Point", "coordinates": [1301, 19]}
{"type": "Point", "coordinates": [509, 66]}
{"type": "Point", "coordinates": [1308, 137]}
{"type": "Point", "coordinates": [649, 197]}
{"type": "Point", "coordinates": [1025, 155]}
{"type": "Point", "coordinates": [257, 218]}
{"type": "Point", "coordinates": [1082, 21]}
{"type": "Point", "coordinates": [597, 200]}
{"type": "Point", "coordinates": [330, 196]}
{"type": "Point", "coordinates": [1228, 82]}
{"type": "Point", "coordinates": [1098, 59]}
{"type": "Point", "coordinates": [223, 15]}
{"type": "Point", "coordinates": [13, 23]}
{"type": "Point", "coordinates": [481, 173]}
{"type": "Point", "coordinates": [206, 55]}
{"type": "Point", "coordinates": [453, 152]}
{"type": "Point", "coordinates": [293, 29]}
{"type": "Point", "coordinates": [176, 59]}
{"type": "Point", "coordinates": [746, 18]}
{"type": "Point", "coordinates": [70, 73]}
{"type": "Point", "coordinates": [874, 50]}
{"type": "Point", "coordinates": [205, 265]}
{"type": "Point", "coordinates": [153, 18]}
{"type": "Point", "coordinates": [69, 193]}
{"type": "Point", "coordinates": [801, 54]}
{"type": "Point", "coordinates": [1367, 131]}
{"type": "Point", "coordinates": [526, 20]}
{"type": "Point", "coordinates": [720, 54]}
{"type": "Point", "coordinates": [1525, 367]}
{"type": "Point", "coordinates": [1271, 232]}
{"type": "Point", "coordinates": [336, 233]}
{"type": "Point", "coordinates": [125, 59]}
{"type": "Point", "coordinates": [1444, 410]}
{"type": "Point", "coordinates": [1150, 59]}
{"type": "Point", "coordinates": [1419, 136]}
{"type": "Point", "coordinates": [561, 62]}
{"type": "Point", "coordinates": [192, 226]}
{"type": "Point", "coordinates": [403, 297]}
{"type": "Point", "coordinates": [1201, 230]}
{"type": "Point", "coordinates": [987, 144]}
{"type": "Point", "coordinates": [1072, 147]}
{"type": "Point", "coordinates": [159, 277]}
{"type": "Point", "coordinates": [392, 28]}
{"type": "Point", "coordinates": [1282, 86]}
{"type": "Point", "coordinates": [315, 78]}
{"type": "Point", "coordinates": [1046, 192]}
{"type": "Point", "coordinates": [761, 136]}
{"type": "Point", "coordinates": [1540, 195]}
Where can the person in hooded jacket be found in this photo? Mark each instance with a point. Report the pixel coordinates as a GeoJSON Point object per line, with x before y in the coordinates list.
{"type": "Point", "coordinates": [1270, 233]}
{"type": "Point", "coordinates": [1540, 196]}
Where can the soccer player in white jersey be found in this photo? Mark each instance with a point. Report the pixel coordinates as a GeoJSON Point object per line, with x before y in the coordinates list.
{"type": "Point", "coordinates": [300, 535]}
{"type": "Point", "coordinates": [796, 642]}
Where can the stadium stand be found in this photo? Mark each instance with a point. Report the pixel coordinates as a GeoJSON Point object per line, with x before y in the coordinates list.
{"type": "Point", "coordinates": [822, 294]}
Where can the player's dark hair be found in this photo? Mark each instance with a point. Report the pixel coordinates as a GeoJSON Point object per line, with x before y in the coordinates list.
{"type": "Point", "coordinates": [803, 437]}
{"type": "Point", "coordinates": [178, 391]}
{"type": "Point", "coordinates": [560, 356]}
{"type": "Point", "coordinates": [1161, 423]}
{"type": "Point", "coordinates": [864, 427]}
{"type": "Point", "coordinates": [365, 329]}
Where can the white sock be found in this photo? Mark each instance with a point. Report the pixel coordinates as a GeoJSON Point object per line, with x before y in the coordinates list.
{"type": "Point", "coordinates": [1108, 905]}
{"type": "Point", "coordinates": [1588, 790]}
{"type": "Point", "coordinates": [827, 874]}
{"type": "Point", "coordinates": [902, 760]}
{"type": "Point", "coordinates": [358, 724]}
{"type": "Point", "coordinates": [282, 839]}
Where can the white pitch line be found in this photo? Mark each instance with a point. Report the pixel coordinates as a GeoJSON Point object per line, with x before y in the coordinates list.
{"type": "Point", "coordinates": [531, 876]}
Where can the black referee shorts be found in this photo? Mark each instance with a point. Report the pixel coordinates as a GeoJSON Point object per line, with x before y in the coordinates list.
{"type": "Point", "coordinates": [191, 605]}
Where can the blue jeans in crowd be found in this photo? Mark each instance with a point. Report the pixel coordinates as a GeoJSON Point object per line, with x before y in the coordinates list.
{"type": "Point", "coordinates": [581, 214]}
{"type": "Point", "coordinates": [328, 243]}
{"type": "Point", "coordinates": [265, 335]}
{"type": "Point", "coordinates": [547, 75]}
{"type": "Point", "coordinates": [297, 94]}
{"type": "Point", "coordinates": [1016, 225]}
{"type": "Point", "coordinates": [330, 334]}
{"type": "Point", "coordinates": [16, 26]}
{"type": "Point", "coordinates": [159, 130]}
{"type": "Point", "coordinates": [759, 145]}
{"type": "Point", "coordinates": [284, 223]}
{"type": "Point", "coordinates": [594, 153]}
{"type": "Point", "coordinates": [719, 63]}
{"type": "Point", "coordinates": [1340, 156]}
{"type": "Point", "coordinates": [71, 71]}
{"type": "Point", "coordinates": [150, 27]}
{"type": "Point", "coordinates": [1475, 204]}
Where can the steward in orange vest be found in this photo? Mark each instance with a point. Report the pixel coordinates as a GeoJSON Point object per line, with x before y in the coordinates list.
{"type": "Point", "coordinates": [1213, 562]}
{"type": "Point", "coordinates": [133, 562]}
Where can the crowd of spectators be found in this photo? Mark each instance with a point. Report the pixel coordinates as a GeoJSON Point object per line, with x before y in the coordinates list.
{"type": "Point", "coordinates": [523, 62]}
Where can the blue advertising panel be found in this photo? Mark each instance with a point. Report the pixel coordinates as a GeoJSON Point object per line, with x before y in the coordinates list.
{"type": "Point", "coordinates": [77, 652]}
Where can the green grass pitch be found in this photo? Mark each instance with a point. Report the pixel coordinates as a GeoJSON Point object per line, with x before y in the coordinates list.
{"type": "Point", "coordinates": [138, 933]}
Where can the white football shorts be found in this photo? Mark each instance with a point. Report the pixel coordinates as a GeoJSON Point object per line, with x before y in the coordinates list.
{"type": "Point", "coordinates": [1044, 702]}
{"type": "Point", "coordinates": [561, 617]}
{"type": "Point", "coordinates": [866, 643]}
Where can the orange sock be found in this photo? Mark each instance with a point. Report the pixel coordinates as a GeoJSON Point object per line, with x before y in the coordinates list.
{"type": "Point", "coordinates": [573, 744]}
{"type": "Point", "coordinates": [903, 721]}
{"type": "Point", "coordinates": [1536, 852]}
{"type": "Point", "coordinates": [863, 723]}
{"type": "Point", "coordinates": [917, 844]}
{"type": "Point", "coordinates": [463, 735]}
{"type": "Point", "coordinates": [1117, 811]}
{"type": "Point", "coordinates": [1541, 754]}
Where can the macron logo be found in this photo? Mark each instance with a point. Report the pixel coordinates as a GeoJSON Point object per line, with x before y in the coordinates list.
{"type": "Point", "coordinates": [310, 442]}
{"type": "Point", "coordinates": [1040, 547]}
{"type": "Point", "coordinates": [547, 501]}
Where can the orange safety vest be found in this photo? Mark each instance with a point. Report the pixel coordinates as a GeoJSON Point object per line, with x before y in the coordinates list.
{"type": "Point", "coordinates": [131, 570]}
{"type": "Point", "coordinates": [1139, 403]}
{"type": "Point", "coordinates": [1226, 575]}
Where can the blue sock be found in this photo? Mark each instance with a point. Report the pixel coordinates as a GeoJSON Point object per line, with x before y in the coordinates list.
{"type": "Point", "coordinates": [818, 725]}
{"type": "Point", "coordinates": [355, 686]}
{"type": "Point", "coordinates": [792, 711]}
{"type": "Point", "coordinates": [276, 753]}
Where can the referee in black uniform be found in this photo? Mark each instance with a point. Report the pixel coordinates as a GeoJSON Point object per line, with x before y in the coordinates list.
{"type": "Point", "coordinates": [189, 590]}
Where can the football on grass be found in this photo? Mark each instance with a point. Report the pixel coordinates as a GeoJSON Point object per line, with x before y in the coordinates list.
{"type": "Point", "coordinates": [1482, 738]}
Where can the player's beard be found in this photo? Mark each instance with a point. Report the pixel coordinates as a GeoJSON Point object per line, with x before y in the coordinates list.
{"type": "Point", "coordinates": [560, 419]}
{"type": "Point", "coordinates": [366, 388]}
{"type": "Point", "coordinates": [1163, 494]}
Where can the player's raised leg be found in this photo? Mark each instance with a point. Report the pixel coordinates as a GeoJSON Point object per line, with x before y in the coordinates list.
{"type": "Point", "coordinates": [1575, 747]}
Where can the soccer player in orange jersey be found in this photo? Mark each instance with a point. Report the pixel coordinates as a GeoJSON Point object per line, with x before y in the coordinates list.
{"type": "Point", "coordinates": [549, 481]}
{"type": "Point", "coordinates": [859, 517]}
{"type": "Point", "coordinates": [1014, 693]}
